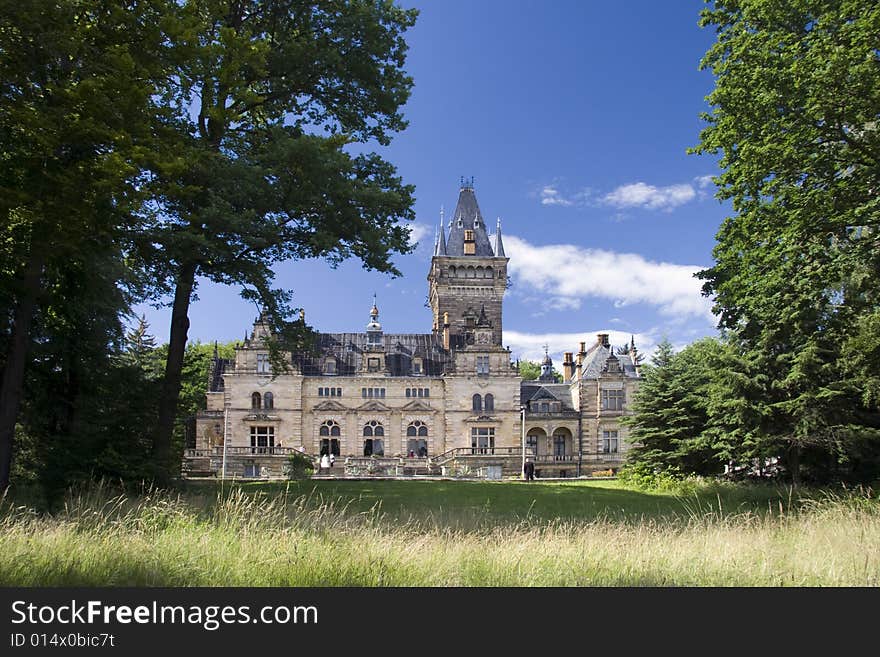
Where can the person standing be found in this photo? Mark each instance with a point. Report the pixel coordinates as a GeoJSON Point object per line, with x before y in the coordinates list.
{"type": "Point", "coordinates": [325, 463]}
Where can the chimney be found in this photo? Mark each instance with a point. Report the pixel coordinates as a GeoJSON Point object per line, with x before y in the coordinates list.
{"type": "Point", "coordinates": [446, 331]}
{"type": "Point", "coordinates": [567, 367]}
{"type": "Point", "coordinates": [580, 365]}
{"type": "Point", "coordinates": [603, 339]}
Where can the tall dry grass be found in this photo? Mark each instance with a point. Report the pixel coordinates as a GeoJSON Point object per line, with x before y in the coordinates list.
{"type": "Point", "coordinates": [238, 539]}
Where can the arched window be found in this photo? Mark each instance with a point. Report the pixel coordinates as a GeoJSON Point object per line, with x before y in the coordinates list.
{"type": "Point", "coordinates": [255, 400]}
{"type": "Point", "coordinates": [329, 428]}
{"type": "Point", "coordinates": [374, 444]}
{"type": "Point", "coordinates": [477, 403]}
{"type": "Point", "coordinates": [452, 272]}
{"type": "Point", "coordinates": [490, 273]}
{"type": "Point", "coordinates": [329, 433]}
{"type": "Point", "coordinates": [417, 440]}
{"type": "Point", "coordinates": [479, 272]}
{"type": "Point", "coordinates": [489, 402]}
{"type": "Point", "coordinates": [268, 401]}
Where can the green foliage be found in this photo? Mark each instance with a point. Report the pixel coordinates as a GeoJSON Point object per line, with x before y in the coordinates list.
{"type": "Point", "coordinates": [75, 111]}
{"type": "Point", "coordinates": [796, 279]}
{"type": "Point", "coordinates": [255, 162]}
{"type": "Point", "coordinates": [671, 413]}
{"type": "Point", "coordinates": [299, 466]}
{"type": "Point", "coordinates": [530, 371]}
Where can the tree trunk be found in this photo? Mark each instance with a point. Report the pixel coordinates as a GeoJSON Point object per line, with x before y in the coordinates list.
{"type": "Point", "coordinates": [794, 464]}
{"type": "Point", "coordinates": [16, 357]}
{"type": "Point", "coordinates": [173, 368]}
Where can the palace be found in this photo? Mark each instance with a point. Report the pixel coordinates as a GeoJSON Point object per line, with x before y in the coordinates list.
{"type": "Point", "coordinates": [445, 402]}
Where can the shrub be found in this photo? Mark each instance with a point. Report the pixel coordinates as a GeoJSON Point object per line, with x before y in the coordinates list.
{"type": "Point", "coordinates": [299, 466]}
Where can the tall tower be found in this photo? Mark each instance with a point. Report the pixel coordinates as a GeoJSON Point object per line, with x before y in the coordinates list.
{"type": "Point", "coordinates": [468, 278]}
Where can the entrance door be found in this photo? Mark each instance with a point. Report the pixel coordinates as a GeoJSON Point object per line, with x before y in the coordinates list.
{"type": "Point", "coordinates": [330, 446]}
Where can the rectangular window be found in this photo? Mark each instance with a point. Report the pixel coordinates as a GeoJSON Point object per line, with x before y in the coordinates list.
{"type": "Point", "coordinates": [612, 400]}
{"type": "Point", "coordinates": [421, 392]}
{"type": "Point", "coordinates": [427, 392]}
{"type": "Point", "coordinates": [370, 392]}
{"type": "Point", "coordinates": [609, 442]}
{"type": "Point", "coordinates": [483, 440]}
{"type": "Point", "coordinates": [262, 440]}
{"type": "Point", "coordinates": [339, 392]}
{"type": "Point", "coordinates": [408, 392]}
{"type": "Point", "coordinates": [263, 364]}
{"type": "Point", "coordinates": [332, 392]}
{"type": "Point", "coordinates": [382, 392]}
{"type": "Point", "coordinates": [373, 364]}
{"type": "Point", "coordinates": [364, 393]}
{"type": "Point", "coordinates": [320, 392]}
{"type": "Point", "coordinates": [482, 364]}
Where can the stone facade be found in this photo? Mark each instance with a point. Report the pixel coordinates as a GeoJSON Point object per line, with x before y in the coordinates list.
{"type": "Point", "coordinates": [426, 402]}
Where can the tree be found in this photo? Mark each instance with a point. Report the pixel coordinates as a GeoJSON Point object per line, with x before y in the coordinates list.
{"type": "Point", "coordinates": [75, 100]}
{"type": "Point", "coordinates": [795, 121]}
{"type": "Point", "coordinates": [260, 163]}
{"type": "Point", "coordinates": [670, 412]}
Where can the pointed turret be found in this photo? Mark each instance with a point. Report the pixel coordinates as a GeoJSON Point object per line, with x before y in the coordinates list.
{"type": "Point", "coordinates": [467, 232]}
{"type": "Point", "coordinates": [547, 367]}
{"type": "Point", "coordinates": [440, 250]}
{"type": "Point", "coordinates": [499, 246]}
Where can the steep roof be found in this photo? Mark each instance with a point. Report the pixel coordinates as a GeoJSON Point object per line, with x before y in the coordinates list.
{"type": "Point", "coordinates": [534, 391]}
{"type": "Point", "coordinates": [348, 350]}
{"type": "Point", "coordinates": [597, 358]}
{"type": "Point", "coordinates": [467, 216]}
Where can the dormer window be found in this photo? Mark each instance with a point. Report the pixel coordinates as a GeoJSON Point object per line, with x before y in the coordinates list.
{"type": "Point", "coordinates": [373, 364]}
{"type": "Point", "coordinates": [330, 366]}
{"type": "Point", "coordinates": [417, 366]}
{"type": "Point", "coordinates": [470, 245]}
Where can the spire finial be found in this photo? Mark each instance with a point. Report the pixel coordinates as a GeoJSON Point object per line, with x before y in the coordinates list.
{"type": "Point", "coordinates": [499, 245]}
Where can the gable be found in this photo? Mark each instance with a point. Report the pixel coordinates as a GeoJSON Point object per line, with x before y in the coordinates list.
{"type": "Point", "coordinates": [330, 405]}
{"type": "Point", "coordinates": [374, 406]}
{"type": "Point", "coordinates": [418, 406]}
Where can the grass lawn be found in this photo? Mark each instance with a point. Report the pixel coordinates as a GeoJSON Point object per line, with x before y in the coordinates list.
{"type": "Point", "coordinates": [444, 533]}
{"type": "Point", "coordinates": [457, 503]}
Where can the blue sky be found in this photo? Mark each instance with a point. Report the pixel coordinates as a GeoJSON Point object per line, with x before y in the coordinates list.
{"type": "Point", "coordinates": [574, 118]}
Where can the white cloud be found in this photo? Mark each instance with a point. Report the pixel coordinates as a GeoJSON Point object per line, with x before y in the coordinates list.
{"type": "Point", "coordinates": [530, 346]}
{"type": "Point", "coordinates": [703, 181]}
{"type": "Point", "coordinates": [550, 196]}
{"type": "Point", "coordinates": [566, 274]}
{"type": "Point", "coordinates": [641, 195]}
{"type": "Point", "coordinates": [418, 232]}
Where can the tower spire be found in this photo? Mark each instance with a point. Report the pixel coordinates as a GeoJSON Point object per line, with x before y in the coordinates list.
{"type": "Point", "coordinates": [441, 239]}
{"type": "Point", "coordinates": [499, 245]}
